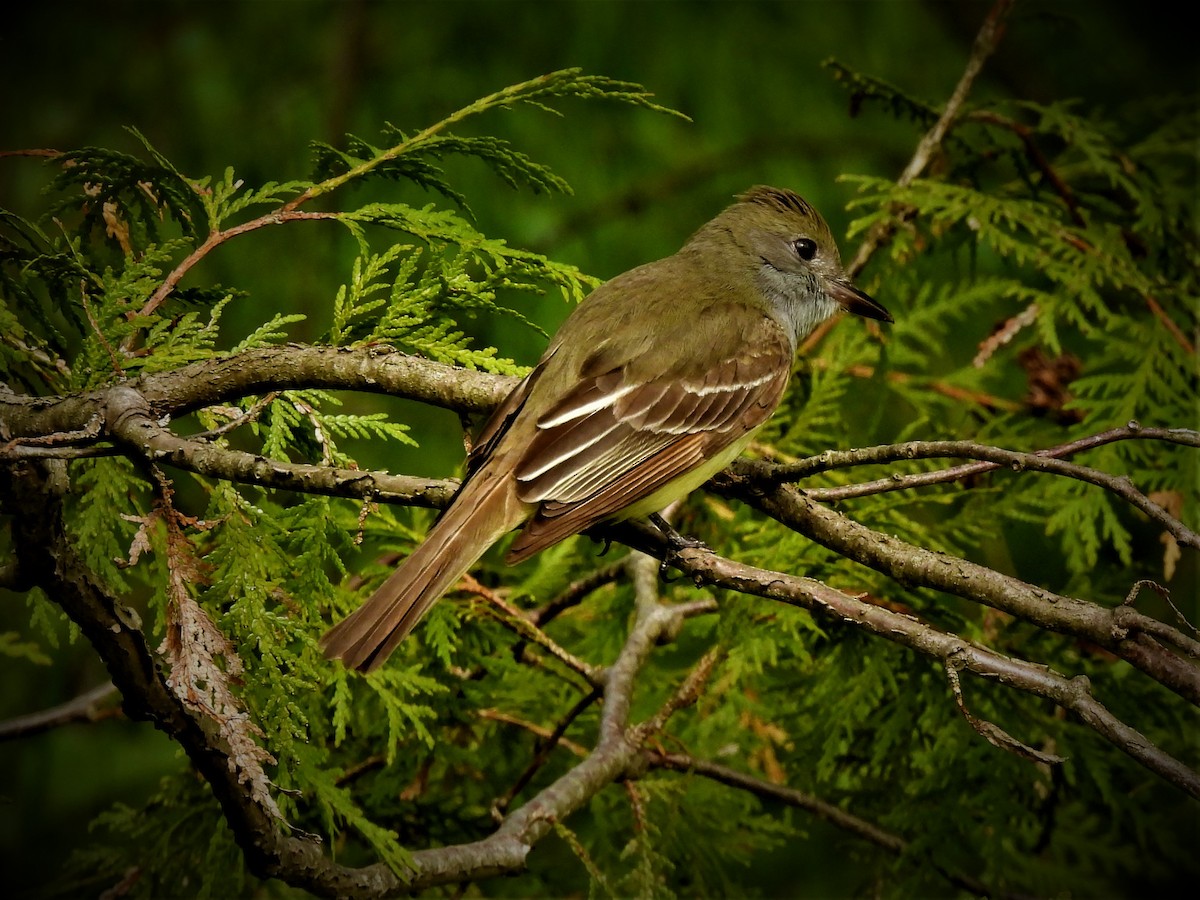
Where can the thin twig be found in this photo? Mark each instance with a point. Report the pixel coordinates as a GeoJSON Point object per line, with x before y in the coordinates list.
{"type": "Point", "coordinates": [1176, 332]}
{"type": "Point", "coordinates": [995, 457]}
{"type": "Point", "coordinates": [214, 240]}
{"type": "Point", "coordinates": [576, 592]}
{"type": "Point", "coordinates": [89, 432]}
{"type": "Point", "coordinates": [926, 151]}
{"type": "Point", "coordinates": [992, 733]}
{"type": "Point", "coordinates": [685, 695]}
{"type": "Point", "coordinates": [541, 731]}
{"type": "Point", "coordinates": [513, 619]}
{"type": "Point", "coordinates": [19, 451]}
{"type": "Point", "coordinates": [1131, 599]}
{"type": "Point", "coordinates": [542, 753]}
{"type": "Point", "coordinates": [238, 419]}
{"type": "Point", "coordinates": [90, 706]}
{"type": "Point", "coordinates": [885, 453]}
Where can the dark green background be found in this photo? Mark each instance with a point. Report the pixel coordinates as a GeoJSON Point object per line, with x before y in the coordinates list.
{"type": "Point", "coordinates": [248, 85]}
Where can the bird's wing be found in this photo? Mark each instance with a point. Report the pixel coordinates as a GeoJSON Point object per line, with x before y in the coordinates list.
{"type": "Point", "coordinates": [497, 424]}
{"type": "Point", "coordinates": [616, 440]}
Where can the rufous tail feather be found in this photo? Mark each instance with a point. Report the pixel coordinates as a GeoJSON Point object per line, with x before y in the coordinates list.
{"type": "Point", "coordinates": [484, 510]}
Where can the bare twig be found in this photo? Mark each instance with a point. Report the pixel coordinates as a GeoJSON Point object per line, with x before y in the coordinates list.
{"type": "Point", "coordinates": [90, 706]}
{"type": "Point", "coordinates": [90, 431]}
{"type": "Point", "coordinates": [356, 771]}
{"type": "Point", "coordinates": [996, 457]}
{"type": "Point", "coordinates": [576, 592]}
{"type": "Point", "coordinates": [541, 731]}
{"type": "Point", "coordinates": [992, 733]}
{"type": "Point", "coordinates": [214, 240]}
{"type": "Point", "coordinates": [1176, 332]}
{"type": "Point", "coordinates": [1131, 599]}
{"type": "Point", "coordinates": [513, 619]}
{"type": "Point", "coordinates": [20, 451]}
{"type": "Point", "coordinates": [685, 695]}
{"type": "Point", "coordinates": [237, 419]}
{"type": "Point", "coordinates": [985, 45]}
{"type": "Point", "coordinates": [840, 459]}
{"type": "Point", "coordinates": [681, 762]}
{"type": "Point", "coordinates": [548, 742]}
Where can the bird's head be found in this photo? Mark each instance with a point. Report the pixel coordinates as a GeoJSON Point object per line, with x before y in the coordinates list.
{"type": "Point", "coordinates": [784, 243]}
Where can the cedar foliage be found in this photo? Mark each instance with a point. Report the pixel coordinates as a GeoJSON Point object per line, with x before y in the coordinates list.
{"type": "Point", "coordinates": [1086, 250]}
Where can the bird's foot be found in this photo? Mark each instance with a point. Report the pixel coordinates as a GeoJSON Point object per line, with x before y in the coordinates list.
{"type": "Point", "coordinates": [676, 544]}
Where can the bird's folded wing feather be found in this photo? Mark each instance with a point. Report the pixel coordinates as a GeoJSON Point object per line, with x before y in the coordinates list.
{"type": "Point", "coordinates": [618, 438]}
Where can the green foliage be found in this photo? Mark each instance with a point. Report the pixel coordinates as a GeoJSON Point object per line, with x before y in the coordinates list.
{"type": "Point", "coordinates": [1099, 263]}
{"type": "Point", "coordinates": [107, 187]}
{"type": "Point", "coordinates": [1086, 250]}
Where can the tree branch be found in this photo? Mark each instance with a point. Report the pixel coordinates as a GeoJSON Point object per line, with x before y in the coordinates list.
{"type": "Point", "coordinates": [996, 457]}
{"type": "Point", "coordinates": [909, 564]}
{"type": "Point", "coordinates": [131, 424]}
{"type": "Point", "coordinates": [513, 619]}
{"type": "Point", "coordinates": [260, 371]}
{"type": "Point", "coordinates": [90, 706]}
{"type": "Point", "coordinates": [705, 567]}
{"type": "Point", "coordinates": [985, 45]}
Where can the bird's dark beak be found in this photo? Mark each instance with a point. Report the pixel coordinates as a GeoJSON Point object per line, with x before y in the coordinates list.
{"type": "Point", "coordinates": [853, 300]}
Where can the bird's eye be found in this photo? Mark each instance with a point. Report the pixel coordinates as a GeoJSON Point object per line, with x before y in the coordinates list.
{"type": "Point", "coordinates": [806, 248]}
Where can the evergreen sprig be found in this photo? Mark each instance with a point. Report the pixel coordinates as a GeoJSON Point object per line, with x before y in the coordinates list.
{"type": "Point", "coordinates": [1083, 248]}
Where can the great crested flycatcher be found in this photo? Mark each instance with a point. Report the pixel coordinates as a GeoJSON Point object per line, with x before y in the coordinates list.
{"type": "Point", "coordinates": [652, 385]}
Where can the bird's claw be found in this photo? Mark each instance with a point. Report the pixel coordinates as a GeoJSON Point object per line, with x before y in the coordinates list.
{"type": "Point", "coordinates": [676, 544]}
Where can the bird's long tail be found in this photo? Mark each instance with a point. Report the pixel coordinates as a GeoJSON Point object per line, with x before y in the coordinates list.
{"type": "Point", "coordinates": [484, 510]}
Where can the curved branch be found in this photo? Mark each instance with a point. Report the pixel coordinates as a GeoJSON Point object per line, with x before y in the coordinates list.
{"type": "Point", "coordinates": [680, 762]}
{"type": "Point", "coordinates": [886, 453]}
{"type": "Point", "coordinates": [909, 564]}
{"type": "Point", "coordinates": [215, 239]}
{"type": "Point", "coordinates": [132, 425]}
{"type": "Point", "coordinates": [90, 706]}
{"type": "Point", "coordinates": [995, 458]}
{"type": "Point", "coordinates": [1075, 694]}
{"type": "Point", "coordinates": [251, 372]}
{"type": "Point", "coordinates": [574, 593]}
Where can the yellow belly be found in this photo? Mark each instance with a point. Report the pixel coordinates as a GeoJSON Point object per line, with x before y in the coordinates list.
{"type": "Point", "coordinates": [686, 483]}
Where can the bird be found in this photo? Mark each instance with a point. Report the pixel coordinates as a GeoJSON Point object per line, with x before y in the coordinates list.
{"type": "Point", "coordinates": [655, 382]}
